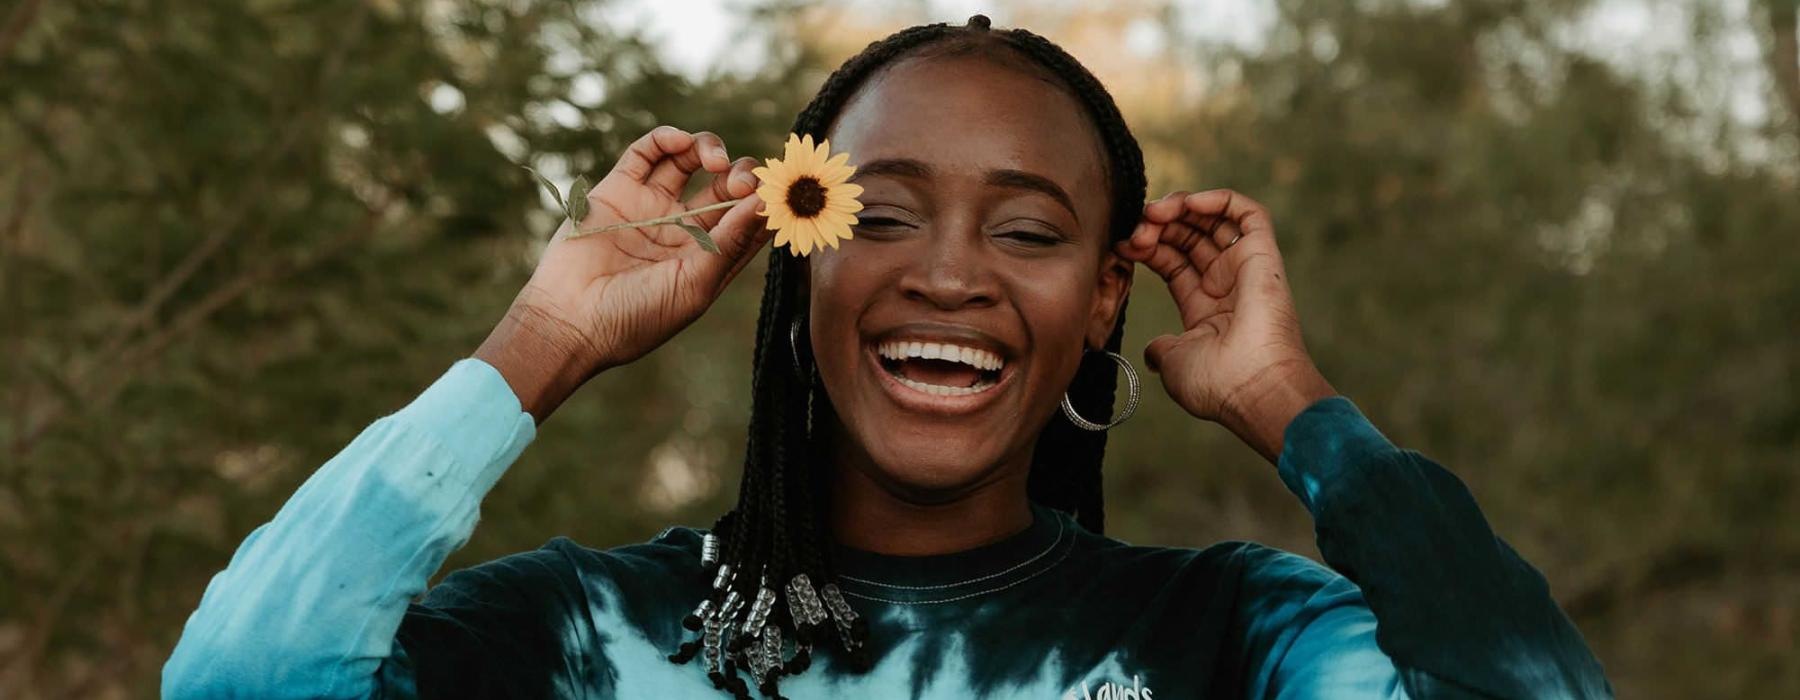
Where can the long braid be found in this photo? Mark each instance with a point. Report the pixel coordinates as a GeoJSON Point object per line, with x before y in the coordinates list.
{"type": "Point", "coordinates": [777, 531]}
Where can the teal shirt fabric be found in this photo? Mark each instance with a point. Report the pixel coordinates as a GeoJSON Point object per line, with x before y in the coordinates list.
{"type": "Point", "coordinates": [1422, 600]}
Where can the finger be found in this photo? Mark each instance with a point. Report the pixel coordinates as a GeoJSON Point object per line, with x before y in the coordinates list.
{"type": "Point", "coordinates": [1225, 233]}
{"type": "Point", "coordinates": [1219, 271]}
{"type": "Point", "coordinates": [671, 175]}
{"type": "Point", "coordinates": [1227, 273]}
{"type": "Point", "coordinates": [739, 234]}
{"type": "Point", "coordinates": [1141, 242]}
{"type": "Point", "coordinates": [1165, 210]}
{"type": "Point", "coordinates": [1250, 216]}
{"type": "Point", "coordinates": [642, 156]}
{"type": "Point", "coordinates": [1175, 269]}
{"type": "Point", "coordinates": [1159, 348]}
{"type": "Point", "coordinates": [1187, 286]}
{"type": "Point", "coordinates": [1188, 234]}
{"type": "Point", "coordinates": [712, 152]}
{"type": "Point", "coordinates": [733, 184]}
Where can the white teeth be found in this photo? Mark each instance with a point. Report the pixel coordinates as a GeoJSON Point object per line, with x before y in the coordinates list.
{"type": "Point", "coordinates": [973, 357]}
{"type": "Point", "coordinates": [939, 390]}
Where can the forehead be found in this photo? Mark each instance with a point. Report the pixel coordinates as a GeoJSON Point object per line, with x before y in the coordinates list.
{"type": "Point", "coordinates": [967, 114]}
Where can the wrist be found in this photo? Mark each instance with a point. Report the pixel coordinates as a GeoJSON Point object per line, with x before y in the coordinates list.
{"type": "Point", "coordinates": [541, 357]}
{"type": "Point", "coordinates": [1261, 410]}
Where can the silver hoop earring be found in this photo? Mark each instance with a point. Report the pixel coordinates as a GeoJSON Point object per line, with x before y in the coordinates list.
{"type": "Point", "coordinates": [1131, 398]}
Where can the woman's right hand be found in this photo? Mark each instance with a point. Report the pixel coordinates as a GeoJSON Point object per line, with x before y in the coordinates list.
{"type": "Point", "coordinates": [606, 299]}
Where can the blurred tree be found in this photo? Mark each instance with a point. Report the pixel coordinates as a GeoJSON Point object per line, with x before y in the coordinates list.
{"type": "Point", "coordinates": [234, 233]}
{"type": "Point", "coordinates": [1520, 261]}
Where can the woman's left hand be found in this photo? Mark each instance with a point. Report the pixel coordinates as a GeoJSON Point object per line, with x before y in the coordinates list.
{"type": "Point", "coordinates": [1239, 360]}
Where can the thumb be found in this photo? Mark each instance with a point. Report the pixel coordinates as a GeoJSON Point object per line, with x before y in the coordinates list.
{"type": "Point", "coordinates": [739, 234]}
{"type": "Point", "coordinates": [1159, 347]}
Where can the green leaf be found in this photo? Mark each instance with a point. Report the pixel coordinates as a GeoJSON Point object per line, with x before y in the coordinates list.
{"type": "Point", "coordinates": [700, 236]}
{"type": "Point", "coordinates": [578, 205]}
{"type": "Point", "coordinates": [546, 184]}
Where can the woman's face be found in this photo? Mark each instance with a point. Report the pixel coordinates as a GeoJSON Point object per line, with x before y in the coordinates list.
{"type": "Point", "coordinates": [947, 330]}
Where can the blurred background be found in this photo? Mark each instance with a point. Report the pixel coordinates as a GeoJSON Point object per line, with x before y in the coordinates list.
{"type": "Point", "coordinates": [1554, 244]}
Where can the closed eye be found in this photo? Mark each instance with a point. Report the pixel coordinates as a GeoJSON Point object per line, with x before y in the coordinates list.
{"type": "Point", "coordinates": [879, 221]}
{"type": "Point", "coordinates": [1031, 238]}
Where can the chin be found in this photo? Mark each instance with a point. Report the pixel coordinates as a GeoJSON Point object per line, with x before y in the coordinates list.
{"type": "Point", "coordinates": [932, 463]}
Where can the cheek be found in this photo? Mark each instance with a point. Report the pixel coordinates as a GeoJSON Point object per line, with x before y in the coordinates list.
{"type": "Point", "coordinates": [839, 292]}
{"type": "Point", "coordinates": [1057, 313]}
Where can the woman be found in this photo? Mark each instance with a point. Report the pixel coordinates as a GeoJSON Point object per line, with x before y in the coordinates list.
{"type": "Point", "coordinates": [920, 513]}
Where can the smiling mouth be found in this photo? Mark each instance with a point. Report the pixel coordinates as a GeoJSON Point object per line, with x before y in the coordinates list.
{"type": "Point", "coordinates": [940, 369]}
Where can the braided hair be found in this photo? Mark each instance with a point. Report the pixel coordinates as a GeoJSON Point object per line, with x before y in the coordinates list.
{"type": "Point", "coordinates": [768, 559]}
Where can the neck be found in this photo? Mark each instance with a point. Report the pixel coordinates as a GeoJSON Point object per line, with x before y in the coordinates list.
{"type": "Point", "coordinates": [884, 518]}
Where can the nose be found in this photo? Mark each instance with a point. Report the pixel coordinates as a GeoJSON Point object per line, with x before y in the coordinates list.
{"type": "Point", "coordinates": [952, 273]}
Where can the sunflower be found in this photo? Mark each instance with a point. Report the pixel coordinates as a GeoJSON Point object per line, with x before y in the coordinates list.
{"type": "Point", "coordinates": [807, 197]}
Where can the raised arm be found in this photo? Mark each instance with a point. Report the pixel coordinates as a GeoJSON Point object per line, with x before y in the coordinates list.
{"type": "Point", "coordinates": [1453, 611]}
{"type": "Point", "coordinates": [310, 604]}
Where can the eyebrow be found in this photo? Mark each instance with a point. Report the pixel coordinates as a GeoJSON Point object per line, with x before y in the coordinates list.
{"type": "Point", "coordinates": [1033, 182]}
{"type": "Point", "coordinates": [1008, 178]}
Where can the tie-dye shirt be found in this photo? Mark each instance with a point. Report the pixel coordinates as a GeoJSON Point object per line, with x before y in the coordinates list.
{"type": "Point", "coordinates": [1425, 601]}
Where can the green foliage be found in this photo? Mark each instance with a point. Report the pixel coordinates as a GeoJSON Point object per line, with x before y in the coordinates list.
{"type": "Point", "coordinates": [577, 204]}
{"type": "Point", "coordinates": [701, 236]}
{"type": "Point", "coordinates": [233, 233]}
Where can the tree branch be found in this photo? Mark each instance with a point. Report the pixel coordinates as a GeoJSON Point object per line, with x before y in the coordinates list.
{"type": "Point", "coordinates": [104, 389]}
{"type": "Point", "coordinates": [224, 231]}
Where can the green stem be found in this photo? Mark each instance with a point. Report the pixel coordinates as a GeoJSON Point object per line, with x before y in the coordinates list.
{"type": "Point", "coordinates": [674, 218]}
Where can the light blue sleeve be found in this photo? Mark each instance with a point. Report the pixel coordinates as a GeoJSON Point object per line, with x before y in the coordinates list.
{"type": "Point", "coordinates": [1423, 599]}
{"type": "Point", "coordinates": [310, 603]}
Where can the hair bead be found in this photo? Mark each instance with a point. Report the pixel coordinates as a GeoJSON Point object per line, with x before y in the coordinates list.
{"type": "Point", "coordinates": [709, 549]}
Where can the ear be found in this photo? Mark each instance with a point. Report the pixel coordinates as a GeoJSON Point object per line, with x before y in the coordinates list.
{"type": "Point", "coordinates": [1112, 286]}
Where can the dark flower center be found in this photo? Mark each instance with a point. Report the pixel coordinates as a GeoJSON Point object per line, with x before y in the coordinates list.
{"type": "Point", "coordinates": [806, 197]}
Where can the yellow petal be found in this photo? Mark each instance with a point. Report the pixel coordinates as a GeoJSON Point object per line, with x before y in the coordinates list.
{"type": "Point", "coordinates": [836, 232]}
{"type": "Point", "coordinates": [780, 218]}
{"type": "Point", "coordinates": [792, 170]}
{"type": "Point", "coordinates": [837, 218]}
{"type": "Point", "coordinates": [806, 233]}
{"type": "Point", "coordinates": [774, 172]}
{"type": "Point", "coordinates": [848, 189]}
{"type": "Point", "coordinates": [833, 177]}
{"type": "Point", "coordinates": [843, 204]}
